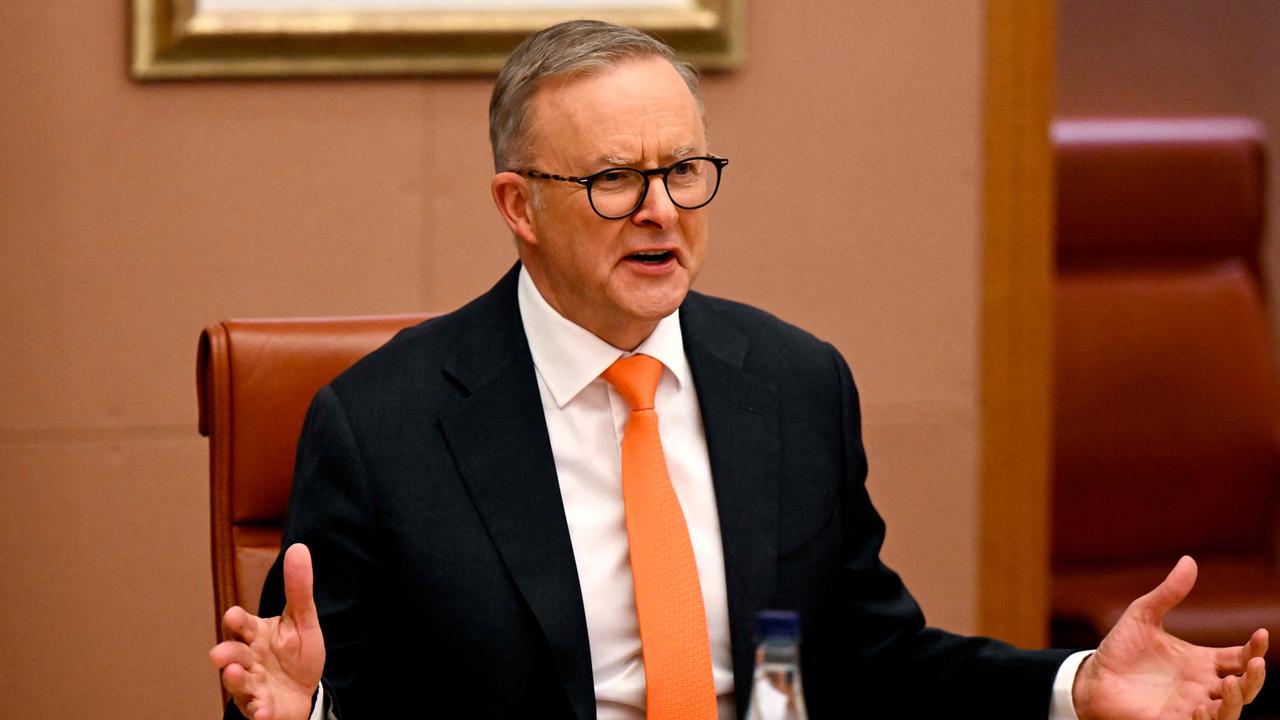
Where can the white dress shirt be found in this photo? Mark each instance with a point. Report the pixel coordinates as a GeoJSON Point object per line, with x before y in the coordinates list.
{"type": "Point", "coordinates": [585, 421]}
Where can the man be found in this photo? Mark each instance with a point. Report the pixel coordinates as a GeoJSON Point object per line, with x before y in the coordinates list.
{"type": "Point", "coordinates": [488, 499]}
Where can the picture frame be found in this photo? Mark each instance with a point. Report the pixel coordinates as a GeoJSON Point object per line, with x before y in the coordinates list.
{"type": "Point", "coordinates": [204, 39]}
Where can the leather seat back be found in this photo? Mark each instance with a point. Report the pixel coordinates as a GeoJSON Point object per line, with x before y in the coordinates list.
{"type": "Point", "coordinates": [255, 380]}
{"type": "Point", "coordinates": [1165, 395]}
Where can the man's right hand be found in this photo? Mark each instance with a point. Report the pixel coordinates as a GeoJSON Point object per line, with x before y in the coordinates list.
{"type": "Point", "coordinates": [272, 666]}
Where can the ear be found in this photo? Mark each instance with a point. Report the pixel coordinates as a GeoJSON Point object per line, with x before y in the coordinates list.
{"type": "Point", "coordinates": [514, 198]}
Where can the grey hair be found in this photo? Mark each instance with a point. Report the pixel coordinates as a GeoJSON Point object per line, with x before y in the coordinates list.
{"type": "Point", "coordinates": [577, 47]}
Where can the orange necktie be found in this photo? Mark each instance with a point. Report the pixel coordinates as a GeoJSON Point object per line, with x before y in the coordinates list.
{"type": "Point", "coordinates": [673, 624]}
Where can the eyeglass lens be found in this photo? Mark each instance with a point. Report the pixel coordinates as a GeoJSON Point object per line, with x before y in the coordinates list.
{"type": "Point", "coordinates": [690, 184]}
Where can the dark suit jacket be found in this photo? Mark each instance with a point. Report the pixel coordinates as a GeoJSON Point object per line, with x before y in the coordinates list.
{"type": "Point", "coordinates": [445, 578]}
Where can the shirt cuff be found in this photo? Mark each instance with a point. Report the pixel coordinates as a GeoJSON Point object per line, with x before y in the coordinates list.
{"type": "Point", "coordinates": [1060, 705]}
{"type": "Point", "coordinates": [318, 705]}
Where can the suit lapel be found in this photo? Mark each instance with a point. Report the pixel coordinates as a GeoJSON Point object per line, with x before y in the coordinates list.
{"type": "Point", "coordinates": [740, 416]}
{"type": "Point", "coordinates": [498, 437]}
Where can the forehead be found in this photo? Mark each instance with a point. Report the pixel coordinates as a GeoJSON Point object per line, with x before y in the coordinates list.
{"type": "Point", "coordinates": [640, 109]}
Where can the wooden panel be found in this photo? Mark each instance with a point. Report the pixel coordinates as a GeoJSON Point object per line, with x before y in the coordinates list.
{"type": "Point", "coordinates": [1016, 316]}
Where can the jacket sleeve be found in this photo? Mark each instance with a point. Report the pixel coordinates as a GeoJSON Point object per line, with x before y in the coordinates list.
{"type": "Point", "coordinates": [874, 633]}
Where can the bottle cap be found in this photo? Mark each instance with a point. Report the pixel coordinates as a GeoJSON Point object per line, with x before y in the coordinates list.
{"type": "Point", "coordinates": [778, 624]}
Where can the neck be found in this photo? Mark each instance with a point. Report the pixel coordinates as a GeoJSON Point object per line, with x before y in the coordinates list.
{"type": "Point", "coordinates": [624, 334]}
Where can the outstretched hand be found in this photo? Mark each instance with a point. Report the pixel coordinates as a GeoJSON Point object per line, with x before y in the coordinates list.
{"type": "Point", "coordinates": [272, 666]}
{"type": "Point", "coordinates": [1144, 673]}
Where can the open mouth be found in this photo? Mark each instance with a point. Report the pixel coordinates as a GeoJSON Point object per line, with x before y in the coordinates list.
{"type": "Point", "coordinates": [651, 257]}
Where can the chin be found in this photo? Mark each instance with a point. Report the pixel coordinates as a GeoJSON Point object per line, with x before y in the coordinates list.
{"type": "Point", "coordinates": [656, 310]}
{"type": "Point", "coordinates": [657, 303]}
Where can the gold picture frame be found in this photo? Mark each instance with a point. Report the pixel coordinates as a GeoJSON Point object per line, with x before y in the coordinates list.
{"type": "Point", "coordinates": [195, 39]}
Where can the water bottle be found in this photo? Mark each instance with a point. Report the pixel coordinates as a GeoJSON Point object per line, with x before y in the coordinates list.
{"type": "Point", "coordinates": [776, 693]}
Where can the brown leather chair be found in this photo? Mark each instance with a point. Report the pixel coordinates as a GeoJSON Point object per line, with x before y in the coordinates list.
{"type": "Point", "coordinates": [255, 380]}
{"type": "Point", "coordinates": [1165, 397]}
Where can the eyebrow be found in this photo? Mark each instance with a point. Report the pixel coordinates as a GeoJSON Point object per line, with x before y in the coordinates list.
{"type": "Point", "coordinates": [625, 160]}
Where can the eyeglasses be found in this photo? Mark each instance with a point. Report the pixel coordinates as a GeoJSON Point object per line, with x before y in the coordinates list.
{"type": "Point", "coordinates": [616, 193]}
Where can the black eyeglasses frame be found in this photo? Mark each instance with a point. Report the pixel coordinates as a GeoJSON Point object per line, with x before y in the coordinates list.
{"type": "Point", "coordinates": [588, 180]}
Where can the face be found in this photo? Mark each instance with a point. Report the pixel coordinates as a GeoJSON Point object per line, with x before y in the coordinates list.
{"type": "Point", "coordinates": [616, 278]}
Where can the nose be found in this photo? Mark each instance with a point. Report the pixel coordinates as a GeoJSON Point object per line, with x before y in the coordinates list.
{"type": "Point", "coordinates": [657, 210]}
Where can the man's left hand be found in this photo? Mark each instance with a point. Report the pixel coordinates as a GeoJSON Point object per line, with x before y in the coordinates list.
{"type": "Point", "coordinates": [1142, 672]}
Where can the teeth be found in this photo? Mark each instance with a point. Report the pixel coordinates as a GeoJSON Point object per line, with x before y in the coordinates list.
{"type": "Point", "coordinates": [651, 252]}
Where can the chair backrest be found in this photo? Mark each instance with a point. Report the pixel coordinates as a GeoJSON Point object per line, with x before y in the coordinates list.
{"type": "Point", "coordinates": [255, 380]}
{"type": "Point", "coordinates": [1165, 396]}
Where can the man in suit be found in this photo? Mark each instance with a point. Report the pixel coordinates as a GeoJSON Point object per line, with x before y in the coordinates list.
{"type": "Point", "coordinates": [467, 493]}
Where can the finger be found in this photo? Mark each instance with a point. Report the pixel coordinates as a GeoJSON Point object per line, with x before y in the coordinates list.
{"type": "Point", "coordinates": [1254, 677]}
{"type": "Point", "coordinates": [238, 682]}
{"type": "Point", "coordinates": [1258, 643]}
{"type": "Point", "coordinates": [299, 603]}
{"type": "Point", "coordinates": [1230, 661]}
{"type": "Point", "coordinates": [1233, 660]}
{"type": "Point", "coordinates": [1232, 700]}
{"type": "Point", "coordinates": [1169, 593]}
{"type": "Point", "coordinates": [1202, 713]}
{"type": "Point", "coordinates": [225, 653]}
{"type": "Point", "coordinates": [238, 624]}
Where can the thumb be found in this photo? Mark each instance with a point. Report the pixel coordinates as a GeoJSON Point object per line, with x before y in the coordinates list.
{"type": "Point", "coordinates": [1169, 593]}
{"type": "Point", "coordinates": [299, 603]}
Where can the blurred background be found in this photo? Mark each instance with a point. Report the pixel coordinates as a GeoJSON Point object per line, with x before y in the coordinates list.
{"type": "Point", "coordinates": [132, 215]}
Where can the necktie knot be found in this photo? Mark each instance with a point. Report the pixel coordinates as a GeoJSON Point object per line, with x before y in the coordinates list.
{"type": "Point", "coordinates": [636, 380]}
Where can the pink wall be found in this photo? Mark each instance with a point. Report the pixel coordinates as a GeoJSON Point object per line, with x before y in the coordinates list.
{"type": "Point", "coordinates": [133, 215]}
{"type": "Point", "coordinates": [1177, 57]}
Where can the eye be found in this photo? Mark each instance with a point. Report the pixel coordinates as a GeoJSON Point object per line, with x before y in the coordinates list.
{"type": "Point", "coordinates": [687, 173]}
{"type": "Point", "coordinates": [620, 180]}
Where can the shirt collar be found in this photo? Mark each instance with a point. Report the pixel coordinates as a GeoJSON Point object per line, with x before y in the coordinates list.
{"type": "Point", "coordinates": [568, 357]}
